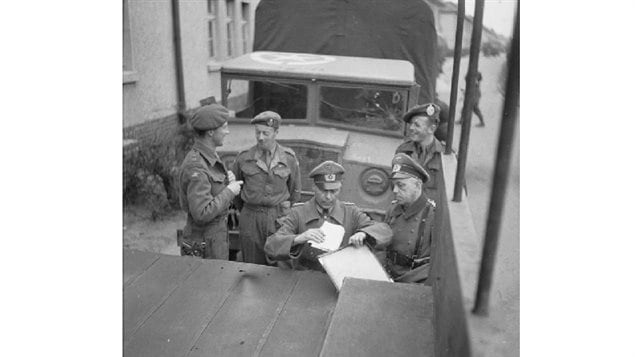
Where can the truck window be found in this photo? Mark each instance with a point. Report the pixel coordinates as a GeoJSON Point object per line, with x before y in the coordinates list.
{"type": "Point", "coordinates": [363, 107]}
{"type": "Point", "coordinates": [247, 98]}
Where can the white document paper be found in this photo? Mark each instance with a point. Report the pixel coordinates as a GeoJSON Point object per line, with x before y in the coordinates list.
{"type": "Point", "coordinates": [352, 262]}
{"type": "Point", "coordinates": [333, 235]}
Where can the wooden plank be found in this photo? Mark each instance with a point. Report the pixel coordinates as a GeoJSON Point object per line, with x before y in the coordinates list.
{"type": "Point", "coordinates": [152, 288]}
{"type": "Point", "coordinates": [376, 318]}
{"type": "Point", "coordinates": [179, 321]}
{"type": "Point", "coordinates": [136, 262]}
{"type": "Point", "coordinates": [248, 314]}
{"type": "Point", "coordinates": [302, 324]}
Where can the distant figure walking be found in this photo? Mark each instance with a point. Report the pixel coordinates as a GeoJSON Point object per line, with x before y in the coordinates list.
{"type": "Point", "coordinates": [477, 98]}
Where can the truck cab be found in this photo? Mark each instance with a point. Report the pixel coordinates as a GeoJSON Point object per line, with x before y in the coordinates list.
{"type": "Point", "coordinates": [340, 108]}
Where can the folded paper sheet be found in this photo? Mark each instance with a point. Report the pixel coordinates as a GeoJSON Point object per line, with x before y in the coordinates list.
{"type": "Point", "coordinates": [352, 262]}
{"type": "Point", "coordinates": [333, 235]}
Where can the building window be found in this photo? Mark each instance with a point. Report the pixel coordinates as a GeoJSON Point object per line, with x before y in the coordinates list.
{"type": "Point", "coordinates": [230, 28]}
{"type": "Point", "coordinates": [244, 26]}
{"type": "Point", "coordinates": [211, 27]}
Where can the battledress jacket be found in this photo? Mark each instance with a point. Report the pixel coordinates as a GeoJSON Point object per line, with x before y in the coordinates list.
{"type": "Point", "coordinates": [268, 186]}
{"type": "Point", "coordinates": [204, 196]}
{"type": "Point", "coordinates": [309, 215]}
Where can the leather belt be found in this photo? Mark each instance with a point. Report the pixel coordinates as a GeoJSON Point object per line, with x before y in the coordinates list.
{"type": "Point", "coordinates": [406, 261]}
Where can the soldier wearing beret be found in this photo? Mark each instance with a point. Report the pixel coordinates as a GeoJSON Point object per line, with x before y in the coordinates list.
{"type": "Point", "coordinates": [421, 145]}
{"type": "Point", "coordinates": [411, 218]}
{"type": "Point", "coordinates": [271, 173]}
{"type": "Point", "coordinates": [303, 224]}
{"type": "Point", "coordinates": [206, 187]}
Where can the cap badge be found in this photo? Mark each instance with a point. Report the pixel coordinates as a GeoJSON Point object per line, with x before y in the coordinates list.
{"type": "Point", "coordinates": [396, 168]}
{"type": "Point", "coordinates": [329, 177]}
{"type": "Point", "coordinates": [430, 110]}
{"type": "Point", "coordinates": [270, 122]}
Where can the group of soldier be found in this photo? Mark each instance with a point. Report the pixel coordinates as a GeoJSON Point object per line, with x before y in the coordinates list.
{"type": "Point", "coordinates": [276, 228]}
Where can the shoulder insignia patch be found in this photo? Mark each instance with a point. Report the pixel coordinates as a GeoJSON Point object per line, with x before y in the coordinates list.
{"type": "Point", "coordinates": [195, 175]}
{"type": "Point", "coordinates": [348, 203]}
{"type": "Point", "coordinates": [432, 203]}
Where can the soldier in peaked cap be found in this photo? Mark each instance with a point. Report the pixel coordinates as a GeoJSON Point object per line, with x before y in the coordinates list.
{"type": "Point", "coordinates": [422, 122]}
{"type": "Point", "coordinates": [411, 218]}
{"type": "Point", "coordinates": [302, 225]}
{"type": "Point", "coordinates": [272, 184]}
{"type": "Point", "coordinates": [206, 187]}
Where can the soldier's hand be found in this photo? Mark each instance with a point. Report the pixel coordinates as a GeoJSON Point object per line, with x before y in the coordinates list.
{"type": "Point", "coordinates": [230, 176]}
{"type": "Point", "coordinates": [235, 186]}
{"type": "Point", "coordinates": [314, 234]}
{"type": "Point", "coordinates": [357, 239]}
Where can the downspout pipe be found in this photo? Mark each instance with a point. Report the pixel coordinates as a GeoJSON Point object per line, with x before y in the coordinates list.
{"type": "Point", "coordinates": [178, 61]}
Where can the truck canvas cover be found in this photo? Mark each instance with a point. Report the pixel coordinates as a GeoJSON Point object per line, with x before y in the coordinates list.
{"type": "Point", "coordinates": [361, 28]}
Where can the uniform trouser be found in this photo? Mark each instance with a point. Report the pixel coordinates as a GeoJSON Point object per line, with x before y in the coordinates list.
{"type": "Point", "coordinates": [256, 224]}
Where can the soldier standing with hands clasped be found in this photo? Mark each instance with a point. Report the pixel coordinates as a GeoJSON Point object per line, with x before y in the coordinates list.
{"type": "Point", "coordinates": [206, 187]}
{"type": "Point", "coordinates": [272, 184]}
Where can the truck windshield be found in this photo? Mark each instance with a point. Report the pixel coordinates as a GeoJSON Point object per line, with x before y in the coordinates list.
{"type": "Point", "coordinates": [363, 107]}
{"type": "Point", "coordinates": [247, 98]}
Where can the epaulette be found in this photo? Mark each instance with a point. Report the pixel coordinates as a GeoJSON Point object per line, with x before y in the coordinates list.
{"type": "Point", "coordinates": [288, 150]}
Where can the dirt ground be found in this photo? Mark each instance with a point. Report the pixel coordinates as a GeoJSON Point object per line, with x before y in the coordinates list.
{"type": "Point", "coordinates": [140, 232]}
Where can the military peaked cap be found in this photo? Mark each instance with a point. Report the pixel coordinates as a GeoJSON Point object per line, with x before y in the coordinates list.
{"type": "Point", "coordinates": [429, 110]}
{"type": "Point", "coordinates": [268, 118]}
{"type": "Point", "coordinates": [404, 166]}
{"type": "Point", "coordinates": [328, 175]}
{"type": "Point", "coordinates": [209, 117]}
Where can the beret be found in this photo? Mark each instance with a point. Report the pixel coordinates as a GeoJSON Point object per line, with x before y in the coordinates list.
{"type": "Point", "coordinates": [429, 110]}
{"type": "Point", "coordinates": [268, 118]}
{"type": "Point", "coordinates": [209, 117]}
{"type": "Point", "coordinates": [404, 166]}
{"type": "Point", "coordinates": [328, 175]}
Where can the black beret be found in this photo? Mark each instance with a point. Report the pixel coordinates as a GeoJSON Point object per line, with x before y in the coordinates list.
{"type": "Point", "coordinates": [429, 110]}
{"type": "Point", "coordinates": [209, 117]}
{"type": "Point", "coordinates": [404, 166]}
{"type": "Point", "coordinates": [268, 118]}
{"type": "Point", "coordinates": [328, 175]}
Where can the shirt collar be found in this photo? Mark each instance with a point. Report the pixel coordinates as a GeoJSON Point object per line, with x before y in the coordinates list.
{"type": "Point", "coordinates": [316, 212]}
{"type": "Point", "coordinates": [208, 153]}
{"type": "Point", "coordinates": [415, 207]}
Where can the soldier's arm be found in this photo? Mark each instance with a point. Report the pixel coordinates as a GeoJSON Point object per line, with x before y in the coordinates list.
{"type": "Point", "coordinates": [203, 206]}
{"type": "Point", "coordinates": [280, 245]}
{"type": "Point", "coordinates": [238, 200]}
{"type": "Point", "coordinates": [295, 182]}
{"type": "Point", "coordinates": [378, 235]}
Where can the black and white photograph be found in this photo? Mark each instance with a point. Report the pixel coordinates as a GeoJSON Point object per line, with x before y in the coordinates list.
{"type": "Point", "coordinates": [320, 178]}
{"type": "Point", "coordinates": [317, 178]}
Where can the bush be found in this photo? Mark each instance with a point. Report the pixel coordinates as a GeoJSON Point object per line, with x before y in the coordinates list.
{"type": "Point", "coordinates": [150, 170]}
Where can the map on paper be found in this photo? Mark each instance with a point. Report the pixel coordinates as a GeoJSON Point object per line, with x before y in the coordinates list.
{"type": "Point", "coordinates": [353, 262]}
{"type": "Point", "coordinates": [333, 235]}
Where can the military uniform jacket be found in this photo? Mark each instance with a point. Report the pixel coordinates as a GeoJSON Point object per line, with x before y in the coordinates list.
{"type": "Point", "coordinates": [407, 228]}
{"type": "Point", "coordinates": [309, 215]}
{"type": "Point", "coordinates": [203, 193]}
{"type": "Point", "coordinates": [430, 161]}
{"type": "Point", "coordinates": [268, 186]}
